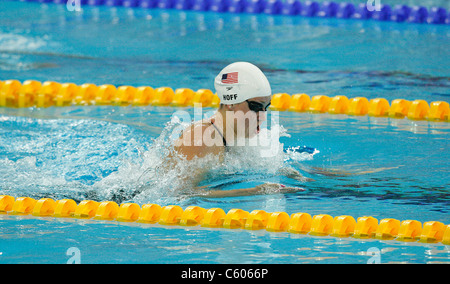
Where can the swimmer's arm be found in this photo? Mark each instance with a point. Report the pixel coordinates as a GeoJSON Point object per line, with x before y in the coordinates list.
{"type": "Point", "coordinates": [340, 173]}
{"type": "Point", "coordinates": [263, 189]}
{"type": "Point", "coordinates": [293, 174]}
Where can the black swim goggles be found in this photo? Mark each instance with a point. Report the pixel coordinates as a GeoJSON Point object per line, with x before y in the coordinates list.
{"type": "Point", "coordinates": [256, 106]}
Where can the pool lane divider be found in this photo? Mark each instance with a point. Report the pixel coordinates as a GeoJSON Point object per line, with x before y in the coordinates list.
{"type": "Point", "coordinates": [173, 215]}
{"type": "Point", "coordinates": [326, 9]}
{"type": "Point", "coordinates": [33, 93]}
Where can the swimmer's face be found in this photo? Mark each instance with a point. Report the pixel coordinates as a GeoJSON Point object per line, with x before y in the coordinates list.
{"type": "Point", "coordinates": [250, 115]}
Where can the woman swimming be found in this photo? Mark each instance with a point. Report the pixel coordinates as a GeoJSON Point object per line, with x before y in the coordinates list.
{"type": "Point", "coordinates": [245, 96]}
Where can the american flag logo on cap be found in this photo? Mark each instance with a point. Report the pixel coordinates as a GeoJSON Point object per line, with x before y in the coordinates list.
{"type": "Point", "coordinates": [230, 78]}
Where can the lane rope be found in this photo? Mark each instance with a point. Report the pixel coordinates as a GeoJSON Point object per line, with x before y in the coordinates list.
{"type": "Point", "coordinates": [33, 93]}
{"type": "Point", "coordinates": [326, 9]}
{"type": "Point", "coordinates": [365, 227]}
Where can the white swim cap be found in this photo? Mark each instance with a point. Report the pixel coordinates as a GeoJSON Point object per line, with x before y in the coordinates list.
{"type": "Point", "coordinates": [241, 81]}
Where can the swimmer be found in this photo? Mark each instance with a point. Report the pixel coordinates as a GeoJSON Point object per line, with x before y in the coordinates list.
{"type": "Point", "coordinates": [245, 96]}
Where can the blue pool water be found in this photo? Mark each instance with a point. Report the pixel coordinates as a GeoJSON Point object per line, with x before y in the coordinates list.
{"type": "Point", "coordinates": [400, 167]}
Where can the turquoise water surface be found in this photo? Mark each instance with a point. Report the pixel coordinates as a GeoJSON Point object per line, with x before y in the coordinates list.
{"type": "Point", "coordinates": [398, 167]}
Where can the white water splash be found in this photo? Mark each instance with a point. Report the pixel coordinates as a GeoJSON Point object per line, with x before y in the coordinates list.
{"type": "Point", "coordinates": [75, 166]}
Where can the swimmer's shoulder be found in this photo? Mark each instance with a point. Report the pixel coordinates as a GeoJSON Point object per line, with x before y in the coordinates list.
{"type": "Point", "coordinates": [191, 142]}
